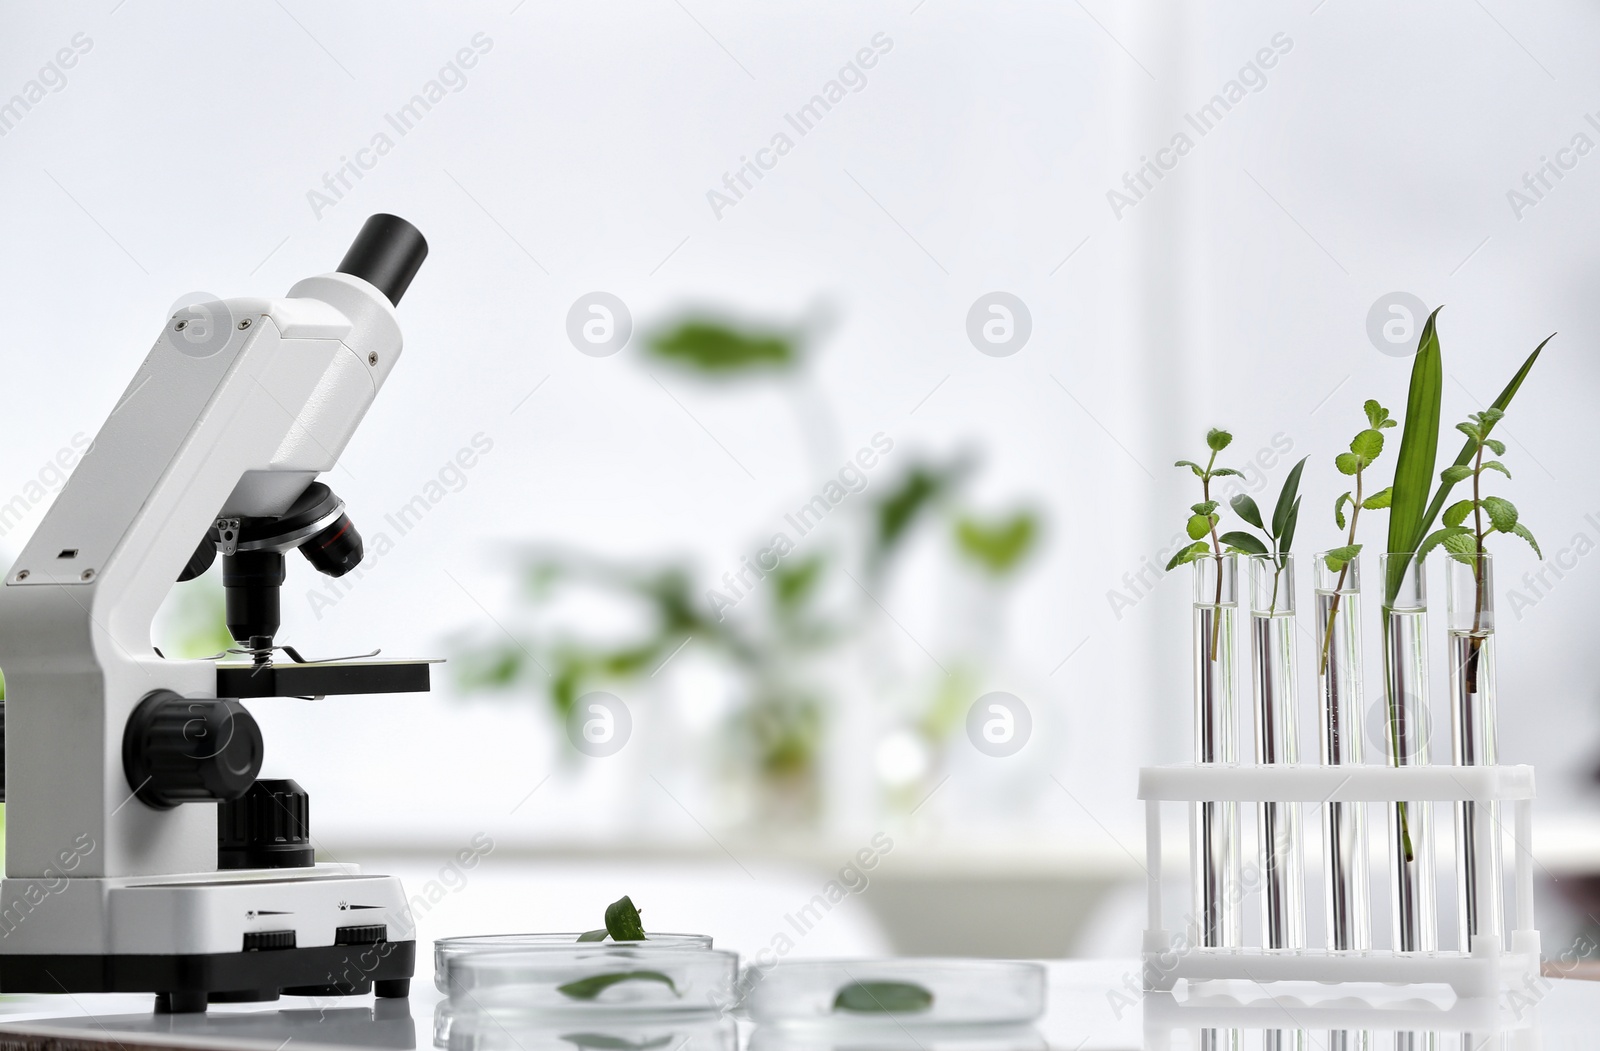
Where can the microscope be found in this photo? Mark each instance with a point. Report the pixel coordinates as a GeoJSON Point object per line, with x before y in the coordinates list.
{"type": "Point", "coordinates": [143, 853]}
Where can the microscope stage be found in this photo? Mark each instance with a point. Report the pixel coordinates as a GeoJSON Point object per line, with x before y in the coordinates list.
{"type": "Point", "coordinates": [322, 679]}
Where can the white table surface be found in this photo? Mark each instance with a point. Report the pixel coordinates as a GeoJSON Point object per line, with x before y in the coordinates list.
{"type": "Point", "coordinates": [1092, 1006]}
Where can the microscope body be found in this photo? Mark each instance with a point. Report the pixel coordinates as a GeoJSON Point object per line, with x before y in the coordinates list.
{"type": "Point", "coordinates": [236, 410]}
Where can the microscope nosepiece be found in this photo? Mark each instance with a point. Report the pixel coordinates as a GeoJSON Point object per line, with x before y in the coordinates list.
{"type": "Point", "coordinates": [336, 550]}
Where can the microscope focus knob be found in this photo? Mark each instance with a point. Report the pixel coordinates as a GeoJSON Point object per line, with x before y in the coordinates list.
{"type": "Point", "coordinates": [190, 750]}
{"type": "Point", "coordinates": [269, 827]}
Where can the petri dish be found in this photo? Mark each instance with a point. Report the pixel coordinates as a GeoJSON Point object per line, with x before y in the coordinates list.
{"type": "Point", "coordinates": [907, 1037]}
{"type": "Point", "coordinates": [593, 979]}
{"type": "Point", "coordinates": [446, 950]}
{"type": "Point", "coordinates": [468, 1028]}
{"type": "Point", "coordinates": [863, 994]}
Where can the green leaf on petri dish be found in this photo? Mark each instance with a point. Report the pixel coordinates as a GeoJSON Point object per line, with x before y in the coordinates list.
{"type": "Point", "coordinates": [883, 998]}
{"type": "Point", "coordinates": [622, 921]}
{"type": "Point", "coordinates": [607, 1042]}
{"type": "Point", "coordinates": [592, 986]}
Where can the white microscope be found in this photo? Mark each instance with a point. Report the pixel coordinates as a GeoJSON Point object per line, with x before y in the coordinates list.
{"type": "Point", "coordinates": [142, 853]}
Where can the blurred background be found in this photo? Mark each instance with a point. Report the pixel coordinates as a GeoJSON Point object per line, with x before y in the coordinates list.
{"type": "Point", "coordinates": [781, 458]}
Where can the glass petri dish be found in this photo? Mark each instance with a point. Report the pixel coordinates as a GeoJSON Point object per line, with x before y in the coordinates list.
{"type": "Point", "coordinates": [895, 993]}
{"type": "Point", "coordinates": [446, 950]}
{"type": "Point", "coordinates": [906, 1037]}
{"type": "Point", "coordinates": [593, 979]}
{"type": "Point", "coordinates": [468, 1028]}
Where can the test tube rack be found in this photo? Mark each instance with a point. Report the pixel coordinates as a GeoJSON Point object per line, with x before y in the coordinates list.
{"type": "Point", "coordinates": [1489, 966]}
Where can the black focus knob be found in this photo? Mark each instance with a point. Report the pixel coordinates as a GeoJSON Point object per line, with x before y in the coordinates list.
{"type": "Point", "coordinates": [190, 749]}
{"type": "Point", "coordinates": [269, 827]}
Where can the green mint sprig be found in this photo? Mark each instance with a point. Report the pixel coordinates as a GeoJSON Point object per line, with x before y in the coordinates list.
{"type": "Point", "coordinates": [1279, 534]}
{"type": "Point", "coordinates": [1203, 518]}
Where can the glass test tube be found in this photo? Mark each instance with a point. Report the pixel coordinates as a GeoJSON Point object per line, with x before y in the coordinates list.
{"type": "Point", "coordinates": [1340, 691]}
{"type": "Point", "coordinates": [1470, 591]}
{"type": "Point", "coordinates": [1217, 916]}
{"type": "Point", "coordinates": [1406, 729]}
{"type": "Point", "coordinates": [1273, 674]}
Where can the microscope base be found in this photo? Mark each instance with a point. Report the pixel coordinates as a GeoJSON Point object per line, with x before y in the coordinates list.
{"type": "Point", "coordinates": [184, 984]}
{"type": "Point", "coordinates": [222, 937]}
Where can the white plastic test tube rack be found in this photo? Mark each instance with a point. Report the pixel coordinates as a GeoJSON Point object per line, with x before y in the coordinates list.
{"type": "Point", "coordinates": [1169, 956]}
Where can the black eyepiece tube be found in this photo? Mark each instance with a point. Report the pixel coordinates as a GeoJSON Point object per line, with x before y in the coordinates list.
{"type": "Point", "coordinates": [386, 253]}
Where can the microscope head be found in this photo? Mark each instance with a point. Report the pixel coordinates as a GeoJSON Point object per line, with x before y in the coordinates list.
{"type": "Point", "coordinates": [386, 255]}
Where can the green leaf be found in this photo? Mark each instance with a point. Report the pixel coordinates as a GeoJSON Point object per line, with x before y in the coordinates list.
{"type": "Point", "coordinates": [1497, 445]}
{"type": "Point", "coordinates": [1419, 449]}
{"type": "Point", "coordinates": [1462, 548]}
{"type": "Point", "coordinates": [1243, 506]}
{"type": "Point", "coordinates": [1348, 463]}
{"type": "Point", "coordinates": [594, 936]}
{"type": "Point", "coordinates": [1455, 473]}
{"type": "Point", "coordinates": [1471, 431]}
{"type": "Point", "coordinates": [1368, 445]}
{"type": "Point", "coordinates": [1379, 500]}
{"type": "Point", "coordinates": [883, 998]}
{"type": "Point", "coordinates": [1224, 472]}
{"type": "Point", "coordinates": [793, 584]}
{"type": "Point", "coordinates": [1199, 525]}
{"type": "Point", "coordinates": [1286, 537]}
{"type": "Point", "coordinates": [592, 986]}
{"type": "Point", "coordinates": [1337, 558]}
{"type": "Point", "coordinates": [908, 500]}
{"type": "Point", "coordinates": [1217, 439]}
{"type": "Point", "coordinates": [1189, 554]}
{"type": "Point", "coordinates": [1199, 472]}
{"type": "Point", "coordinates": [1439, 536]}
{"type": "Point", "coordinates": [1496, 465]}
{"type": "Point", "coordinates": [622, 921]}
{"type": "Point", "coordinates": [1288, 496]}
{"type": "Point", "coordinates": [1000, 547]}
{"type": "Point", "coordinates": [1521, 530]}
{"type": "Point", "coordinates": [1457, 512]}
{"type": "Point", "coordinates": [1205, 508]}
{"type": "Point", "coordinates": [718, 348]}
{"type": "Point", "coordinates": [1465, 456]}
{"type": "Point", "coordinates": [1377, 415]}
{"type": "Point", "coordinates": [1501, 513]}
{"type": "Point", "coordinates": [1338, 507]}
{"type": "Point", "coordinates": [607, 1042]}
{"type": "Point", "coordinates": [1247, 543]}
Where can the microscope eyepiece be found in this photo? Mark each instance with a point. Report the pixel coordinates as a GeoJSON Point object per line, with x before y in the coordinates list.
{"type": "Point", "coordinates": [386, 253]}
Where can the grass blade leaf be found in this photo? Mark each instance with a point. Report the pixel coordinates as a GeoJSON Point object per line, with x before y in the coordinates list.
{"type": "Point", "coordinates": [1419, 449]}
{"type": "Point", "coordinates": [1467, 450]}
{"type": "Point", "coordinates": [1286, 498]}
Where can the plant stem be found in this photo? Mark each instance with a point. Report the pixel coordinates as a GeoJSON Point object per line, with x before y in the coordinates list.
{"type": "Point", "coordinates": [1338, 587]}
{"type": "Point", "coordinates": [1216, 548]}
{"type": "Point", "coordinates": [1394, 738]}
{"type": "Point", "coordinates": [1480, 595]}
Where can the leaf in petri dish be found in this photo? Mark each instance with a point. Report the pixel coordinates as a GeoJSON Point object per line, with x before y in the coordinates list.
{"type": "Point", "coordinates": [592, 986]}
{"type": "Point", "coordinates": [883, 998]}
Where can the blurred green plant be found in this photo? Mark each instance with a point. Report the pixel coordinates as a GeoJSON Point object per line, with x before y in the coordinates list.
{"type": "Point", "coordinates": [199, 625]}
{"type": "Point", "coordinates": [714, 347]}
{"type": "Point", "coordinates": [814, 602]}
